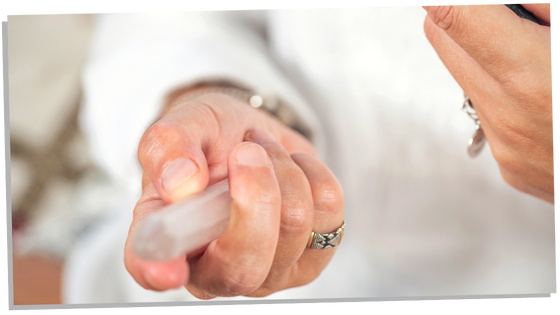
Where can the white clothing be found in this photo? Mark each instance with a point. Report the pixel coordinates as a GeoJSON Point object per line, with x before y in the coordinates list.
{"type": "Point", "coordinates": [423, 219]}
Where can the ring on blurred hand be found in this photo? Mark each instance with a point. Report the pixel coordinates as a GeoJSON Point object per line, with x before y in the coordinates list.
{"type": "Point", "coordinates": [322, 241]}
{"type": "Point", "coordinates": [477, 141]}
{"type": "Point", "coordinates": [468, 107]}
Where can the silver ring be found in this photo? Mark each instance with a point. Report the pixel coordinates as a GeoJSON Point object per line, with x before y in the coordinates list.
{"type": "Point", "coordinates": [469, 109]}
{"type": "Point", "coordinates": [324, 241]}
{"type": "Point", "coordinates": [477, 141]}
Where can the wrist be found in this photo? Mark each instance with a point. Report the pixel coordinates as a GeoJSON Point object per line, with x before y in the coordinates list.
{"type": "Point", "coordinates": [269, 103]}
{"type": "Point", "coordinates": [191, 93]}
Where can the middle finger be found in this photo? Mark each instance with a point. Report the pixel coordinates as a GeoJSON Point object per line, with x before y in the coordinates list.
{"type": "Point", "coordinates": [296, 214]}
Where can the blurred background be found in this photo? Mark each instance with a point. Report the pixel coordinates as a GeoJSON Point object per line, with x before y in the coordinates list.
{"type": "Point", "coordinates": [51, 170]}
{"type": "Point", "coordinates": [57, 194]}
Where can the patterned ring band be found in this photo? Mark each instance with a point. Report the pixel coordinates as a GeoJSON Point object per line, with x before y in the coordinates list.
{"type": "Point", "coordinates": [323, 241]}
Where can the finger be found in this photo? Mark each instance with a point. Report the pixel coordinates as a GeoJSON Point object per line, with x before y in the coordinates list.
{"type": "Point", "coordinates": [297, 212]}
{"type": "Point", "coordinates": [540, 10]}
{"type": "Point", "coordinates": [239, 261]}
{"type": "Point", "coordinates": [464, 69]}
{"type": "Point", "coordinates": [473, 79]}
{"type": "Point", "coordinates": [295, 142]}
{"type": "Point", "coordinates": [328, 200]}
{"type": "Point", "coordinates": [158, 276]}
{"type": "Point", "coordinates": [493, 35]}
{"type": "Point", "coordinates": [174, 167]}
{"type": "Point", "coordinates": [170, 152]}
{"type": "Point", "coordinates": [481, 88]}
{"type": "Point", "coordinates": [187, 149]}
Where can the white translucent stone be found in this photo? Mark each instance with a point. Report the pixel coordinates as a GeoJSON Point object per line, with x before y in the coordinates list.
{"type": "Point", "coordinates": [185, 225]}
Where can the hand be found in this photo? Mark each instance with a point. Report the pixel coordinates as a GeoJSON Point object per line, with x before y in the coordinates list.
{"type": "Point", "coordinates": [502, 62]}
{"type": "Point", "coordinates": [280, 193]}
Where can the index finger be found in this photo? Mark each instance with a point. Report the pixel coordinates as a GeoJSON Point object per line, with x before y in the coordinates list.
{"type": "Point", "coordinates": [494, 36]}
{"type": "Point", "coordinates": [158, 276]}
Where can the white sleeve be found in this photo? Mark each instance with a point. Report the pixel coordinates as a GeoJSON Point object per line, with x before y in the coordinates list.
{"type": "Point", "coordinates": [137, 59]}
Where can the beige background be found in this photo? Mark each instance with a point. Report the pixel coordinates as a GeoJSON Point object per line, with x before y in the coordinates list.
{"type": "Point", "coordinates": [51, 170]}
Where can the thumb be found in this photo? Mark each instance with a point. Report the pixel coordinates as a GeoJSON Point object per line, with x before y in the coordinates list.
{"type": "Point", "coordinates": [170, 152]}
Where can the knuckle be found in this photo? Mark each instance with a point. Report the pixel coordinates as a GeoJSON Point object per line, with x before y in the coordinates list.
{"type": "Point", "coordinates": [513, 130]}
{"type": "Point", "coordinates": [509, 77]}
{"type": "Point", "coordinates": [515, 79]}
{"type": "Point", "coordinates": [260, 202]}
{"type": "Point", "coordinates": [297, 203]}
{"type": "Point", "coordinates": [328, 196]}
{"type": "Point", "coordinates": [296, 217]}
{"type": "Point", "coordinates": [242, 280]}
{"type": "Point", "coordinates": [445, 17]}
{"type": "Point", "coordinates": [529, 89]}
{"type": "Point", "coordinates": [159, 133]}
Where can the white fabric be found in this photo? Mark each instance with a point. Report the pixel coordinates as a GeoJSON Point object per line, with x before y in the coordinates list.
{"type": "Point", "coordinates": [422, 218]}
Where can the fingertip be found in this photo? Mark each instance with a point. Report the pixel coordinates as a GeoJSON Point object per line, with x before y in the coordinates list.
{"type": "Point", "coordinates": [251, 154]}
{"type": "Point", "coordinates": [252, 179]}
{"type": "Point", "coordinates": [250, 171]}
{"type": "Point", "coordinates": [165, 276]}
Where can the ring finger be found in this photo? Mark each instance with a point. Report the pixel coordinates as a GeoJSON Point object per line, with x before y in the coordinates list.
{"type": "Point", "coordinates": [328, 200]}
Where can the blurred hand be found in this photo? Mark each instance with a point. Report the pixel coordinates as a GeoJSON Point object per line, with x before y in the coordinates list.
{"type": "Point", "coordinates": [502, 62]}
{"type": "Point", "coordinates": [280, 190]}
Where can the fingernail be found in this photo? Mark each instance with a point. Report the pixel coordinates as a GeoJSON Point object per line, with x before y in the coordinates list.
{"type": "Point", "coordinates": [177, 174]}
{"type": "Point", "coordinates": [252, 155]}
